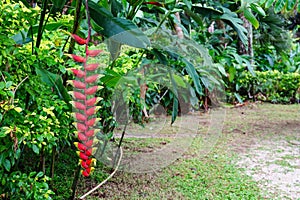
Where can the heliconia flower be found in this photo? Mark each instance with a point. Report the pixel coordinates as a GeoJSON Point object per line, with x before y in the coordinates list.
{"type": "Point", "coordinates": [82, 137]}
{"type": "Point", "coordinates": [91, 67]}
{"type": "Point", "coordinates": [84, 164]}
{"type": "Point", "coordinates": [77, 95]}
{"type": "Point", "coordinates": [93, 53]}
{"type": "Point", "coordinates": [76, 58]}
{"type": "Point", "coordinates": [91, 162]}
{"type": "Point", "coordinates": [81, 127]}
{"type": "Point", "coordinates": [92, 132]}
{"type": "Point", "coordinates": [92, 110]}
{"type": "Point", "coordinates": [78, 105]}
{"type": "Point", "coordinates": [89, 152]}
{"type": "Point", "coordinates": [89, 143]}
{"type": "Point", "coordinates": [78, 84]}
{"type": "Point", "coordinates": [86, 172]}
{"type": "Point", "coordinates": [80, 146]}
{"type": "Point", "coordinates": [83, 156]}
{"type": "Point", "coordinates": [93, 101]}
{"type": "Point", "coordinates": [91, 90]}
{"type": "Point", "coordinates": [91, 122]}
{"type": "Point", "coordinates": [78, 73]}
{"type": "Point", "coordinates": [80, 117]}
{"type": "Point", "coordinates": [91, 79]}
{"type": "Point", "coordinates": [78, 39]}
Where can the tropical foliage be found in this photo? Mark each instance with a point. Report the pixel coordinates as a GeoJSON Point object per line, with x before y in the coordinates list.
{"type": "Point", "coordinates": [151, 51]}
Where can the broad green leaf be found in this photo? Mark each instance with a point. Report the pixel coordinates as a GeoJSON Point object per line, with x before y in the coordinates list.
{"type": "Point", "coordinates": [111, 78]}
{"type": "Point", "coordinates": [237, 24]}
{"type": "Point", "coordinates": [118, 29]}
{"type": "Point", "coordinates": [290, 4]}
{"type": "Point", "coordinates": [208, 12]}
{"type": "Point", "coordinates": [55, 81]}
{"type": "Point", "coordinates": [279, 5]}
{"type": "Point", "coordinates": [1, 117]}
{"type": "Point", "coordinates": [35, 149]}
{"type": "Point", "coordinates": [7, 164]}
{"type": "Point", "coordinates": [179, 81]}
{"type": "Point", "coordinates": [269, 3]}
{"type": "Point", "coordinates": [251, 18]}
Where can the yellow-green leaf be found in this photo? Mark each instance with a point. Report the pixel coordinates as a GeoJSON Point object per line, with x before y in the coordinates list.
{"type": "Point", "coordinates": [18, 109]}
{"type": "Point", "coordinates": [251, 18]}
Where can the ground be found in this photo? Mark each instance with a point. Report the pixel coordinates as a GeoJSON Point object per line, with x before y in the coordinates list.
{"type": "Point", "coordinates": [251, 152]}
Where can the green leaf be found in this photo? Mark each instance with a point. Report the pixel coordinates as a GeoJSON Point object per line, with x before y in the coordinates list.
{"type": "Point", "coordinates": [35, 149]}
{"type": "Point", "coordinates": [249, 67]}
{"type": "Point", "coordinates": [256, 8]}
{"type": "Point", "coordinates": [179, 81]}
{"type": "Point", "coordinates": [269, 3]}
{"type": "Point", "coordinates": [231, 72]}
{"type": "Point", "coordinates": [111, 78]}
{"type": "Point", "coordinates": [279, 5]}
{"type": "Point", "coordinates": [251, 18]}
{"type": "Point", "coordinates": [55, 81]}
{"type": "Point", "coordinates": [175, 109]}
{"type": "Point", "coordinates": [189, 67]}
{"type": "Point", "coordinates": [290, 4]}
{"type": "Point", "coordinates": [237, 24]}
{"type": "Point", "coordinates": [7, 164]}
{"type": "Point", "coordinates": [8, 84]}
{"type": "Point", "coordinates": [118, 29]}
{"type": "Point", "coordinates": [2, 85]}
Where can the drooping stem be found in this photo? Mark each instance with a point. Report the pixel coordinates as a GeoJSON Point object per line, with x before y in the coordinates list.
{"type": "Point", "coordinates": [75, 181]}
{"type": "Point", "coordinates": [77, 18]}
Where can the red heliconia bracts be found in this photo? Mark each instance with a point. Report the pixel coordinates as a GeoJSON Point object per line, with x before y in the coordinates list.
{"type": "Point", "coordinates": [84, 103]}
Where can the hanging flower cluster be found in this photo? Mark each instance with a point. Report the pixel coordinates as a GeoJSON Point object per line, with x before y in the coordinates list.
{"type": "Point", "coordinates": [84, 103]}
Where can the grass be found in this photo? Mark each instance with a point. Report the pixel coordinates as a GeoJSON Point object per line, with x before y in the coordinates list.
{"type": "Point", "coordinates": [195, 175]}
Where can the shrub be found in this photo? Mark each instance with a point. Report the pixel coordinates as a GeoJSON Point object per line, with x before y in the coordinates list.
{"type": "Point", "coordinates": [273, 86]}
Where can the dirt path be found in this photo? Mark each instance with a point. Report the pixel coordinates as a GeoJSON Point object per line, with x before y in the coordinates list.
{"type": "Point", "coordinates": [267, 139]}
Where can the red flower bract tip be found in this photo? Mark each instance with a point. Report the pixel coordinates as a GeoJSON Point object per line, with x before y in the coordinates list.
{"type": "Point", "coordinates": [78, 39]}
{"type": "Point", "coordinates": [78, 73]}
{"type": "Point", "coordinates": [76, 58]}
{"type": "Point", "coordinates": [91, 67]}
{"type": "Point", "coordinates": [91, 79]}
{"type": "Point", "coordinates": [93, 53]}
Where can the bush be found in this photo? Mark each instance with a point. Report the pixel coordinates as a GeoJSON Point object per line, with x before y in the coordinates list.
{"type": "Point", "coordinates": [273, 86]}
